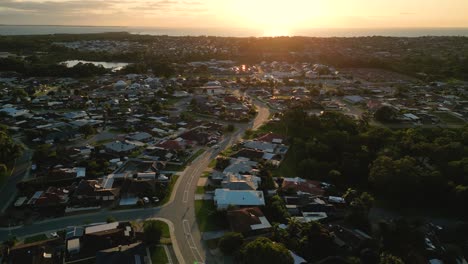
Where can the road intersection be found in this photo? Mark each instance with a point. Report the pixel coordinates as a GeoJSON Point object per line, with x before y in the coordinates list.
{"type": "Point", "coordinates": [179, 212]}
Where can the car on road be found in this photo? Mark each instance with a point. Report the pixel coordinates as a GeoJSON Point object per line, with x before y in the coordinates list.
{"type": "Point", "coordinates": [216, 146]}
{"type": "Point", "coordinates": [155, 199]}
{"type": "Point", "coordinates": [146, 200]}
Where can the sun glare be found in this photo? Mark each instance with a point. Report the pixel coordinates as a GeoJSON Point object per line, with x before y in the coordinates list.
{"type": "Point", "coordinates": [273, 17]}
{"type": "Point", "coordinates": [276, 32]}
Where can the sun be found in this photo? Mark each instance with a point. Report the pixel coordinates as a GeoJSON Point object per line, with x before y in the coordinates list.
{"type": "Point", "coordinates": [276, 32]}
{"type": "Point", "coordinates": [274, 17]}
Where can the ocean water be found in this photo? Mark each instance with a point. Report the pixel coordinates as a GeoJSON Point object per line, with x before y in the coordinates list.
{"type": "Point", "coordinates": [234, 32]}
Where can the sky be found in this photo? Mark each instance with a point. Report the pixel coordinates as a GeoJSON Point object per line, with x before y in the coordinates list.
{"type": "Point", "coordinates": [277, 16]}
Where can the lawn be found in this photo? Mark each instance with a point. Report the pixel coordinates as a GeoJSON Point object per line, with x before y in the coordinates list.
{"type": "Point", "coordinates": [164, 227]}
{"type": "Point", "coordinates": [204, 189]}
{"type": "Point", "coordinates": [208, 218]}
{"type": "Point", "coordinates": [276, 128]}
{"type": "Point", "coordinates": [448, 118]}
{"type": "Point", "coordinates": [206, 174]}
{"type": "Point", "coordinates": [171, 187]}
{"type": "Point", "coordinates": [158, 255]}
{"type": "Point", "coordinates": [212, 163]}
{"type": "Point", "coordinates": [195, 155]}
{"type": "Point", "coordinates": [35, 238]}
{"type": "Point", "coordinates": [200, 190]}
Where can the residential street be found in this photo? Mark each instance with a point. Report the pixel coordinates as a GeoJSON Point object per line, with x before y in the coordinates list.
{"type": "Point", "coordinates": [179, 210]}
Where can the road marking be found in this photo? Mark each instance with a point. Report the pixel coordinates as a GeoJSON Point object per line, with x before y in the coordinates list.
{"type": "Point", "coordinates": [189, 183]}
{"type": "Point", "coordinates": [196, 254]}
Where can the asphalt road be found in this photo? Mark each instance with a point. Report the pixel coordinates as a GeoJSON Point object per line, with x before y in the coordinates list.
{"type": "Point", "coordinates": [179, 211]}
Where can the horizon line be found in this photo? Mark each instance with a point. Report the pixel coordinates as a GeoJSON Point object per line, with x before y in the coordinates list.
{"type": "Point", "coordinates": [188, 27]}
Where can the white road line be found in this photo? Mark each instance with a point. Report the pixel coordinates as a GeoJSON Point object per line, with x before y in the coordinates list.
{"type": "Point", "coordinates": [196, 254]}
{"type": "Point", "coordinates": [185, 197]}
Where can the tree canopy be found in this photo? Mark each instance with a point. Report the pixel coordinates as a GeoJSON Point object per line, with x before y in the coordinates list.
{"type": "Point", "coordinates": [263, 250]}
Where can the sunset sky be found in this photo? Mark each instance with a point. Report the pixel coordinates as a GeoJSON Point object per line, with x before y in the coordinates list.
{"type": "Point", "coordinates": [267, 15]}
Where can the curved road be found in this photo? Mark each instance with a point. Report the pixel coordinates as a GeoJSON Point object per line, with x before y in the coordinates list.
{"type": "Point", "coordinates": [179, 211]}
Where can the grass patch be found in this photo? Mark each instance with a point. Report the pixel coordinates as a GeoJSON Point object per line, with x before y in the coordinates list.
{"type": "Point", "coordinates": [448, 118]}
{"type": "Point", "coordinates": [200, 190]}
{"type": "Point", "coordinates": [206, 174]}
{"type": "Point", "coordinates": [208, 218]}
{"type": "Point", "coordinates": [36, 238]}
{"type": "Point", "coordinates": [204, 189]}
{"type": "Point", "coordinates": [102, 142]}
{"type": "Point", "coordinates": [273, 127]}
{"type": "Point", "coordinates": [164, 227]}
{"type": "Point", "coordinates": [195, 155]}
{"type": "Point", "coordinates": [158, 254]}
{"type": "Point", "coordinates": [212, 163]}
{"type": "Point", "coordinates": [171, 188]}
{"type": "Point", "coordinates": [228, 152]}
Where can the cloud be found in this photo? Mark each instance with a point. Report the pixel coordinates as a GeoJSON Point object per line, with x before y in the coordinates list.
{"type": "Point", "coordinates": [87, 11]}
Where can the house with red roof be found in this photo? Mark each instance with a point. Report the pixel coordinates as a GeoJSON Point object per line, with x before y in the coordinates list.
{"type": "Point", "coordinates": [300, 185]}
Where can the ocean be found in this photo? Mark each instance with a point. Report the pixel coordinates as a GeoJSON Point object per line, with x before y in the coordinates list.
{"type": "Point", "coordinates": [315, 32]}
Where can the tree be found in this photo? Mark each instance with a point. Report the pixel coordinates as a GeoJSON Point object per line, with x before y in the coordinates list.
{"type": "Point", "coordinates": [276, 210]}
{"type": "Point", "coordinates": [386, 258]}
{"type": "Point", "coordinates": [88, 130]}
{"type": "Point", "coordinates": [152, 231]}
{"type": "Point", "coordinates": [230, 128]}
{"type": "Point", "coordinates": [222, 162]}
{"type": "Point", "coordinates": [230, 243]}
{"type": "Point", "coordinates": [111, 219]}
{"type": "Point", "coordinates": [402, 175]}
{"type": "Point", "coordinates": [359, 210]}
{"type": "Point", "coordinates": [9, 150]}
{"type": "Point", "coordinates": [385, 114]}
{"type": "Point", "coordinates": [263, 250]}
{"type": "Point", "coordinates": [3, 170]}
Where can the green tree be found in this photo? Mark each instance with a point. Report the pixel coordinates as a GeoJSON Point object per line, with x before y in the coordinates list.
{"type": "Point", "coordinates": [263, 250]}
{"type": "Point", "coordinates": [230, 243]}
{"type": "Point", "coordinates": [276, 210]}
{"type": "Point", "coordinates": [88, 130]}
{"type": "Point", "coordinates": [152, 231]}
{"type": "Point", "coordinates": [386, 258]}
{"type": "Point", "coordinates": [9, 150]}
{"type": "Point", "coordinates": [230, 128]}
{"type": "Point", "coordinates": [385, 114]}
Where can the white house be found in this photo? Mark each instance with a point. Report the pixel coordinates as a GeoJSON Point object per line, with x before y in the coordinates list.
{"type": "Point", "coordinates": [223, 198]}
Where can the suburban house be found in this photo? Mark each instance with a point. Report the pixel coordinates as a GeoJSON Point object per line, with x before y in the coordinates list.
{"type": "Point", "coordinates": [47, 251]}
{"type": "Point", "coordinates": [140, 136]}
{"type": "Point", "coordinates": [248, 221]}
{"type": "Point", "coordinates": [92, 190]}
{"type": "Point", "coordinates": [240, 165]}
{"type": "Point", "coordinates": [240, 182]}
{"type": "Point", "coordinates": [224, 198]}
{"type": "Point", "coordinates": [120, 147]}
{"type": "Point", "coordinates": [123, 254]}
{"type": "Point", "coordinates": [101, 237]}
{"type": "Point", "coordinates": [300, 185]}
